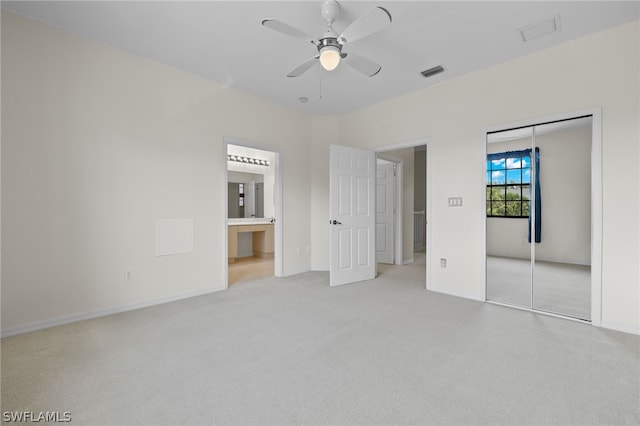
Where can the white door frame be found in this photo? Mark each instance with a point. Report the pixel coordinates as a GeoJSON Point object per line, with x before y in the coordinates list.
{"type": "Point", "coordinates": [412, 144]}
{"type": "Point", "coordinates": [596, 200]}
{"type": "Point", "coordinates": [277, 230]}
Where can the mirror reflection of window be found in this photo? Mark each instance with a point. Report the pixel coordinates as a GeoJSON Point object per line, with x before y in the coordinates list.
{"type": "Point", "coordinates": [235, 205]}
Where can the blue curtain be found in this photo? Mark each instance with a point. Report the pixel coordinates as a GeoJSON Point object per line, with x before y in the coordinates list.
{"type": "Point", "coordinates": [538, 198]}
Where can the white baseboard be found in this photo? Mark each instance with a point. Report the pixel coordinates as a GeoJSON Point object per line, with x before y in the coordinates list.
{"type": "Point", "coordinates": [625, 328]}
{"type": "Point", "coordinates": [456, 294]}
{"type": "Point", "coordinates": [408, 261]}
{"type": "Point", "coordinates": [68, 319]}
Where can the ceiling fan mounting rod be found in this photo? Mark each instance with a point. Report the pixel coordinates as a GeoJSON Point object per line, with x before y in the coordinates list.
{"type": "Point", "coordinates": [329, 10]}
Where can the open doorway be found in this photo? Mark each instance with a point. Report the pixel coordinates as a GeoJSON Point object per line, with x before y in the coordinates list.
{"type": "Point", "coordinates": [253, 210]}
{"type": "Point", "coordinates": [410, 214]}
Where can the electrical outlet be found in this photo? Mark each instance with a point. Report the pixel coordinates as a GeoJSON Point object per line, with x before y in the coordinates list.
{"type": "Point", "coordinates": [443, 262]}
{"type": "Point", "coordinates": [128, 275]}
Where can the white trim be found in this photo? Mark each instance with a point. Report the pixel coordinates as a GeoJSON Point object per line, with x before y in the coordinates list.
{"type": "Point", "coordinates": [482, 207]}
{"type": "Point", "coordinates": [427, 215]}
{"type": "Point", "coordinates": [596, 216]}
{"type": "Point", "coordinates": [402, 145]}
{"type": "Point", "coordinates": [549, 314]}
{"type": "Point", "coordinates": [426, 141]}
{"type": "Point", "coordinates": [399, 194]}
{"type": "Point", "coordinates": [462, 295]}
{"type": "Point", "coordinates": [277, 231]}
{"type": "Point", "coordinates": [533, 206]}
{"type": "Point", "coordinates": [596, 198]}
{"type": "Point", "coordinates": [620, 327]}
{"type": "Point", "coordinates": [408, 261]}
{"type": "Point", "coordinates": [277, 199]}
{"type": "Point", "coordinates": [68, 319]}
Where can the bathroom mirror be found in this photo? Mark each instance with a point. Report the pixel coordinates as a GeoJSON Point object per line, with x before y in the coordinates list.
{"type": "Point", "coordinates": [245, 195]}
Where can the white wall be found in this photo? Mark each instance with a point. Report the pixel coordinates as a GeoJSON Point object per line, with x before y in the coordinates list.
{"type": "Point", "coordinates": [325, 130]}
{"type": "Point", "coordinates": [597, 70]}
{"type": "Point", "coordinates": [96, 145]}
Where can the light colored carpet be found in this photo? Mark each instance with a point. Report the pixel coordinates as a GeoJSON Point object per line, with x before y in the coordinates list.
{"type": "Point", "coordinates": [294, 351]}
{"type": "Point", "coordinates": [559, 288]}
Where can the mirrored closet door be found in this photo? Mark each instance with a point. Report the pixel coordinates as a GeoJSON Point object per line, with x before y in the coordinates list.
{"type": "Point", "coordinates": [538, 196]}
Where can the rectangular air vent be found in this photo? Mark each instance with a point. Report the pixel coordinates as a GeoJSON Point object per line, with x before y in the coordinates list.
{"type": "Point", "coordinates": [539, 29]}
{"type": "Point", "coordinates": [432, 71]}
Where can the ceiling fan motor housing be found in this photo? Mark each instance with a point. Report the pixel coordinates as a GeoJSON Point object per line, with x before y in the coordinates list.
{"type": "Point", "coordinates": [329, 10]}
{"type": "Point", "coordinates": [329, 38]}
{"type": "Point", "coordinates": [328, 41]}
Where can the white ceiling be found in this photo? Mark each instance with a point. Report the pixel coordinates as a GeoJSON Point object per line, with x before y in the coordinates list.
{"type": "Point", "coordinates": [225, 41]}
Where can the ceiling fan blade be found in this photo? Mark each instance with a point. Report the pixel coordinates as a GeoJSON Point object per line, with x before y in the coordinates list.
{"type": "Point", "coordinates": [364, 65]}
{"type": "Point", "coordinates": [372, 21]}
{"type": "Point", "coordinates": [288, 30]}
{"type": "Point", "coordinates": [303, 67]}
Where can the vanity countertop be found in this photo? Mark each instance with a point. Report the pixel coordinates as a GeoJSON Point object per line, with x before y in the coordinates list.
{"type": "Point", "coordinates": [249, 222]}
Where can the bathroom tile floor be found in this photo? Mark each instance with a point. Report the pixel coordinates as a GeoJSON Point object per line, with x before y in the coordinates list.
{"type": "Point", "coordinates": [249, 269]}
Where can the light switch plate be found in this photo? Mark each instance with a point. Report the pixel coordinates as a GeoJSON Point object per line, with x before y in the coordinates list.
{"type": "Point", "coordinates": [455, 201]}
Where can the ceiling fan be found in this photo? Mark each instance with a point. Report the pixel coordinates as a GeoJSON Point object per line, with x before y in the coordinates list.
{"type": "Point", "coordinates": [330, 44]}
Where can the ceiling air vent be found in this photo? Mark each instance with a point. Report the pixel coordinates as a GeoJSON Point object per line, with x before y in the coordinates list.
{"type": "Point", "coordinates": [539, 29]}
{"type": "Point", "coordinates": [432, 71]}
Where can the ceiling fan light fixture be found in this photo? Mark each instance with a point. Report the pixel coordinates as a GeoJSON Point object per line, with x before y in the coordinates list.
{"type": "Point", "coordinates": [330, 43]}
{"type": "Point", "coordinates": [329, 57]}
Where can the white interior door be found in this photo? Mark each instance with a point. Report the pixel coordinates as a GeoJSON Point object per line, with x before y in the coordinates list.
{"type": "Point", "coordinates": [352, 205]}
{"type": "Point", "coordinates": [385, 186]}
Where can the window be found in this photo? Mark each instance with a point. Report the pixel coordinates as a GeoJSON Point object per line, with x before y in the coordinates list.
{"type": "Point", "coordinates": [241, 194]}
{"type": "Point", "coordinates": [509, 184]}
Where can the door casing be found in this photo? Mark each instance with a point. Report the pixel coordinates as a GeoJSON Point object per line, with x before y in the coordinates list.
{"type": "Point", "coordinates": [381, 152]}
{"type": "Point", "coordinates": [277, 231]}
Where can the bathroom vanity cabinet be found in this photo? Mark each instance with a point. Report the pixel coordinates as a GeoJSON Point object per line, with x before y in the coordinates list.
{"type": "Point", "coordinates": [262, 239]}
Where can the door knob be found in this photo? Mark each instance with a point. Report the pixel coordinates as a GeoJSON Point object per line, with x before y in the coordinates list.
{"type": "Point", "coordinates": [334, 222]}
